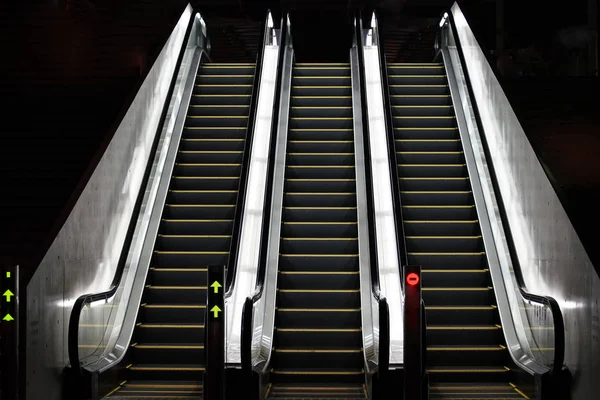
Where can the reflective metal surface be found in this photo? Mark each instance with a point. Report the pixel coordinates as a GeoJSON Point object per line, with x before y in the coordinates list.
{"type": "Point", "coordinates": [247, 262]}
{"type": "Point", "coordinates": [263, 322]}
{"type": "Point", "coordinates": [387, 254]}
{"type": "Point", "coordinates": [369, 305]}
{"type": "Point", "coordinates": [84, 255]}
{"type": "Point", "coordinates": [552, 259]}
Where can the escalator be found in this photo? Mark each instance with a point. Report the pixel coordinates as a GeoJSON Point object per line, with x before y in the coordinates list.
{"type": "Point", "coordinates": [167, 348]}
{"type": "Point", "coordinates": [317, 350]}
{"type": "Point", "coordinates": [466, 354]}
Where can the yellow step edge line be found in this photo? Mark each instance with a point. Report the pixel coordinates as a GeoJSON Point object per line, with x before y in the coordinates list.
{"type": "Point", "coordinates": [147, 346]}
{"type": "Point", "coordinates": [421, 95]}
{"type": "Point", "coordinates": [432, 165]}
{"type": "Point", "coordinates": [321, 141]}
{"type": "Point", "coordinates": [220, 105]}
{"type": "Point", "coordinates": [320, 166]}
{"type": "Point", "coordinates": [191, 252]}
{"type": "Point", "coordinates": [318, 310]}
{"type": "Point", "coordinates": [429, 178]}
{"type": "Point", "coordinates": [322, 77]}
{"type": "Point", "coordinates": [324, 388]}
{"type": "Point", "coordinates": [213, 140]}
{"type": "Point", "coordinates": [319, 180]}
{"type": "Point", "coordinates": [441, 221]}
{"type": "Point", "coordinates": [319, 255]}
{"type": "Point", "coordinates": [420, 117]}
{"type": "Point", "coordinates": [426, 85]}
{"type": "Point", "coordinates": [322, 87]}
{"type": "Point", "coordinates": [441, 207]}
{"type": "Point", "coordinates": [517, 390]}
{"type": "Point", "coordinates": [433, 128]}
{"type": "Point", "coordinates": [173, 326]}
{"type": "Point", "coordinates": [441, 271]}
{"type": "Point", "coordinates": [202, 191]}
{"type": "Point", "coordinates": [322, 107]}
{"type": "Point", "coordinates": [449, 289]}
{"type": "Point", "coordinates": [268, 390]}
{"type": "Point", "coordinates": [321, 97]}
{"type": "Point", "coordinates": [195, 236]}
{"type": "Point", "coordinates": [177, 287]}
{"type": "Point", "coordinates": [273, 371]}
{"type": "Point", "coordinates": [219, 116]}
{"type": "Point", "coordinates": [416, 65]}
{"type": "Point", "coordinates": [507, 387]}
{"type": "Point", "coordinates": [179, 269]}
{"type": "Point", "coordinates": [320, 154]}
{"type": "Point", "coordinates": [428, 140]}
{"type": "Point", "coordinates": [321, 118]}
{"type": "Point", "coordinates": [319, 272]}
{"type": "Point", "coordinates": [157, 386]}
{"type": "Point", "coordinates": [224, 76]}
{"type": "Point", "coordinates": [202, 205]}
{"type": "Point", "coordinates": [316, 351]}
{"type": "Point", "coordinates": [427, 152]}
{"type": "Point", "coordinates": [322, 129]}
{"type": "Point", "coordinates": [446, 254]}
{"type": "Point", "coordinates": [209, 164]}
{"type": "Point", "coordinates": [320, 223]}
{"type": "Point", "coordinates": [491, 370]}
{"type": "Point", "coordinates": [221, 95]}
{"type": "Point", "coordinates": [318, 290]}
{"type": "Point", "coordinates": [205, 128]}
{"type": "Point", "coordinates": [206, 177]}
{"type": "Point", "coordinates": [460, 308]}
{"type": "Point", "coordinates": [499, 348]}
{"type": "Point", "coordinates": [113, 391]}
{"type": "Point", "coordinates": [435, 192]}
{"type": "Point", "coordinates": [197, 220]}
{"type": "Point", "coordinates": [167, 369]}
{"type": "Point", "coordinates": [220, 85]}
{"type": "Point", "coordinates": [316, 330]}
{"type": "Point", "coordinates": [416, 76]}
{"type": "Point", "coordinates": [324, 68]}
{"type": "Point", "coordinates": [318, 239]}
{"type": "Point", "coordinates": [173, 306]}
{"type": "Point", "coordinates": [319, 208]}
{"type": "Point", "coordinates": [463, 328]}
{"type": "Point", "coordinates": [210, 151]}
{"type": "Point", "coordinates": [319, 193]}
{"type": "Point", "coordinates": [424, 106]}
{"type": "Point", "coordinates": [444, 237]}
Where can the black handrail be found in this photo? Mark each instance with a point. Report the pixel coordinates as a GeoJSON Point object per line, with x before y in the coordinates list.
{"type": "Point", "coordinates": [559, 327]}
{"type": "Point", "coordinates": [242, 189]}
{"type": "Point", "coordinates": [384, 318]}
{"type": "Point", "coordinates": [391, 147]}
{"type": "Point", "coordinates": [73, 329]}
{"type": "Point", "coordinates": [248, 308]}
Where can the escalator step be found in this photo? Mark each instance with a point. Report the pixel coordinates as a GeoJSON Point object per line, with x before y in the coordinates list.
{"type": "Point", "coordinates": [325, 262]}
{"type": "Point", "coordinates": [158, 389]}
{"type": "Point", "coordinates": [318, 337]}
{"type": "Point", "coordinates": [158, 353]}
{"type": "Point", "coordinates": [471, 390]}
{"type": "Point", "coordinates": [319, 280]}
{"type": "Point", "coordinates": [163, 332]}
{"type": "Point", "coordinates": [469, 374]}
{"type": "Point", "coordinates": [429, 212]}
{"type": "Point", "coordinates": [428, 145]}
{"type": "Point", "coordinates": [305, 298]}
{"type": "Point", "coordinates": [173, 313]}
{"type": "Point", "coordinates": [466, 355]}
{"type": "Point", "coordinates": [199, 211]}
{"type": "Point", "coordinates": [322, 101]}
{"type": "Point", "coordinates": [313, 376]}
{"type": "Point", "coordinates": [426, 133]}
{"type": "Point", "coordinates": [304, 358]}
{"type": "Point", "coordinates": [175, 372]}
{"type": "Point", "coordinates": [460, 296]}
{"type": "Point", "coordinates": [314, 319]}
{"type": "Point", "coordinates": [467, 334]}
{"type": "Point", "coordinates": [327, 245]}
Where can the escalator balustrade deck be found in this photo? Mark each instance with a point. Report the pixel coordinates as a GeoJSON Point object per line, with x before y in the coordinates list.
{"type": "Point", "coordinates": [167, 350]}
{"type": "Point", "coordinates": [466, 354]}
{"type": "Point", "coordinates": [317, 349]}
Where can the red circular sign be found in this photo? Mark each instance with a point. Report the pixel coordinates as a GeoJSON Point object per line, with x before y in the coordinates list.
{"type": "Point", "coordinates": [412, 279]}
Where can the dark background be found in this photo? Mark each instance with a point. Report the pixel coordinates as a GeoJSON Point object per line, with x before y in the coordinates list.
{"type": "Point", "coordinates": [70, 68]}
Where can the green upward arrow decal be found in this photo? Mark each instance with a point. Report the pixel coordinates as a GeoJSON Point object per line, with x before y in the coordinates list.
{"type": "Point", "coordinates": [216, 285]}
{"type": "Point", "coordinates": [216, 310]}
{"type": "Point", "coordinates": [7, 294]}
{"type": "Point", "coordinates": [8, 318]}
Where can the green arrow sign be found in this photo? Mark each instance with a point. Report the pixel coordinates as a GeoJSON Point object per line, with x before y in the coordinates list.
{"type": "Point", "coordinates": [216, 310]}
{"type": "Point", "coordinates": [7, 294]}
{"type": "Point", "coordinates": [8, 318]}
{"type": "Point", "coordinates": [216, 285]}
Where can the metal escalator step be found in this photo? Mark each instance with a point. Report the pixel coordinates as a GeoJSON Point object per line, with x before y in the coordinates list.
{"type": "Point", "coordinates": [422, 170]}
{"type": "Point", "coordinates": [463, 334]}
{"type": "Point", "coordinates": [421, 100]}
{"type": "Point", "coordinates": [423, 110]}
{"type": "Point", "coordinates": [323, 228]}
{"type": "Point", "coordinates": [158, 390]}
{"type": "Point", "coordinates": [311, 375]}
{"type": "Point", "coordinates": [173, 313]}
{"type": "Point", "coordinates": [458, 315]}
{"type": "Point", "coordinates": [480, 391]}
{"type": "Point", "coordinates": [436, 197]}
{"type": "Point", "coordinates": [462, 227]}
{"type": "Point", "coordinates": [320, 122]}
{"type": "Point", "coordinates": [202, 196]}
{"type": "Point", "coordinates": [212, 121]}
{"type": "Point", "coordinates": [428, 89]}
{"type": "Point", "coordinates": [320, 159]}
{"type": "Point", "coordinates": [158, 353]}
{"type": "Point", "coordinates": [341, 70]}
{"type": "Point", "coordinates": [185, 372]}
{"type": "Point", "coordinates": [426, 133]}
{"type": "Point", "coordinates": [192, 242]}
{"type": "Point", "coordinates": [430, 157]}
{"type": "Point", "coordinates": [182, 259]}
{"type": "Point", "coordinates": [214, 132]}
{"type": "Point", "coordinates": [322, 391]}
{"type": "Point", "coordinates": [164, 332]}
{"type": "Point", "coordinates": [433, 212]}
{"type": "Point", "coordinates": [461, 296]}
{"type": "Point", "coordinates": [209, 156]}
{"type": "Point", "coordinates": [223, 88]}
{"type": "Point", "coordinates": [320, 185]}
{"type": "Point", "coordinates": [220, 99]}
{"type": "Point", "coordinates": [178, 276]}
{"type": "Point", "coordinates": [321, 280]}
{"type": "Point", "coordinates": [472, 243]}
{"type": "Point", "coordinates": [474, 260]}
{"type": "Point", "coordinates": [424, 121]}
{"type": "Point", "coordinates": [448, 184]}
{"type": "Point", "coordinates": [321, 214]}
{"type": "Point", "coordinates": [233, 69]}
{"type": "Point", "coordinates": [312, 298]}
{"type": "Point", "coordinates": [413, 69]}
{"type": "Point", "coordinates": [320, 111]}
{"type": "Point", "coordinates": [469, 374]}
{"type": "Point", "coordinates": [312, 320]}
{"type": "Point", "coordinates": [326, 245]}
{"type": "Point", "coordinates": [458, 356]}
{"type": "Point", "coordinates": [428, 145]}
{"type": "Point", "coordinates": [175, 294]}
{"type": "Point", "coordinates": [320, 80]}
{"type": "Point", "coordinates": [224, 79]}
{"type": "Point", "coordinates": [338, 357]}
{"type": "Point", "coordinates": [328, 262]}
{"type": "Point", "coordinates": [456, 277]}
{"type": "Point", "coordinates": [319, 199]}
{"type": "Point", "coordinates": [396, 78]}
{"type": "Point", "coordinates": [180, 226]}
{"type": "Point", "coordinates": [320, 172]}
{"type": "Point", "coordinates": [219, 109]}
{"type": "Point", "coordinates": [318, 101]}
{"type": "Point", "coordinates": [321, 90]}
{"type": "Point", "coordinates": [319, 337]}
{"type": "Point", "coordinates": [219, 144]}
{"type": "Point", "coordinates": [199, 211]}
{"type": "Point", "coordinates": [320, 146]}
